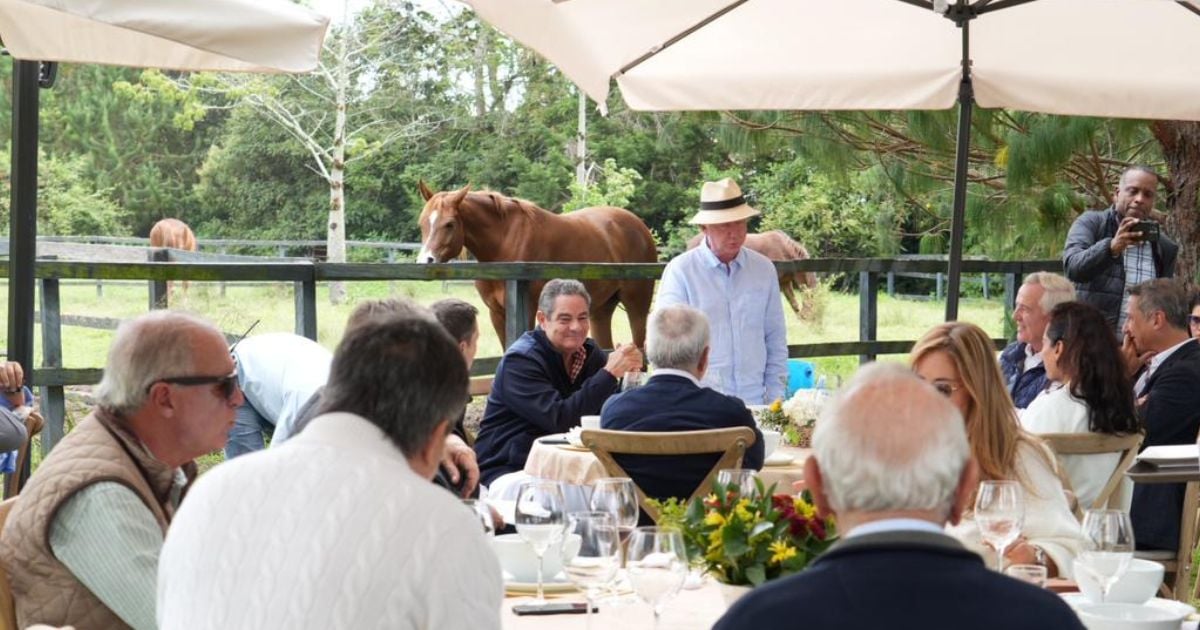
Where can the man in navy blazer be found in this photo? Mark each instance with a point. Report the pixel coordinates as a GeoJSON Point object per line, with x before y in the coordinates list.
{"type": "Point", "coordinates": [891, 461]}
{"type": "Point", "coordinates": [677, 344]}
{"type": "Point", "coordinates": [1168, 398]}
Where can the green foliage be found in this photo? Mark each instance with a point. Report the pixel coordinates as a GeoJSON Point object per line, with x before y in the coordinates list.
{"type": "Point", "coordinates": [67, 203]}
{"type": "Point", "coordinates": [614, 187]}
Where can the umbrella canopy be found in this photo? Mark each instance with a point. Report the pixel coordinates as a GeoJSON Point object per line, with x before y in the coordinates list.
{"type": "Point", "coordinates": [1112, 58]}
{"type": "Point", "coordinates": [228, 35]}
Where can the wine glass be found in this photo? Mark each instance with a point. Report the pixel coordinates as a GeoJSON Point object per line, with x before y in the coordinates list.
{"type": "Point", "coordinates": [540, 520]}
{"type": "Point", "coordinates": [1108, 536]}
{"type": "Point", "coordinates": [483, 513]}
{"type": "Point", "coordinates": [657, 565]}
{"type": "Point", "coordinates": [999, 513]}
{"type": "Point", "coordinates": [595, 565]}
{"type": "Point", "coordinates": [618, 497]}
{"type": "Point", "coordinates": [633, 379]}
{"type": "Point", "coordinates": [740, 478]}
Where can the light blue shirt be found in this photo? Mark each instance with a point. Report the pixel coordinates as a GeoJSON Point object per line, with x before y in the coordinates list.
{"type": "Point", "coordinates": [278, 373]}
{"type": "Point", "coordinates": [745, 314]}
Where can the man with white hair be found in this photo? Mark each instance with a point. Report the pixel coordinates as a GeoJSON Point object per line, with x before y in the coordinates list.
{"type": "Point", "coordinates": [82, 544]}
{"type": "Point", "coordinates": [891, 461]}
{"type": "Point", "coordinates": [1021, 360]}
{"type": "Point", "coordinates": [674, 400]}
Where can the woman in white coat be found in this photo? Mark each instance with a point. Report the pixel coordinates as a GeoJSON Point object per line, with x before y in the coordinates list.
{"type": "Point", "coordinates": [1090, 393]}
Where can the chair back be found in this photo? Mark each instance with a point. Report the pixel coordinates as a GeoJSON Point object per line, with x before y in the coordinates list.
{"type": "Point", "coordinates": [731, 443]}
{"type": "Point", "coordinates": [33, 425]}
{"type": "Point", "coordinates": [1095, 444]}
{"type": "Point", "coordinates": [8, 608]}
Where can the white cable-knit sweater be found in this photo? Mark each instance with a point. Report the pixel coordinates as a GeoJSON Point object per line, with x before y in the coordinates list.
{"type": "Point", "coordinates": [331, 530]}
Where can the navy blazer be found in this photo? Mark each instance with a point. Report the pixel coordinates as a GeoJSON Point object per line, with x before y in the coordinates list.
{"type": "Point", "coordinates": [668, 402]}
{"type": "Point", "coordinates": [899, 580]}
{"type": "Point", "coordinates": [1171, 415]}
{"type": "Point", "coordinates": [532, 396]}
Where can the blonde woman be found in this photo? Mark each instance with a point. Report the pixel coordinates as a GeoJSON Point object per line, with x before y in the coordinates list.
{"type": "Point", "coordinates": [959, 360]}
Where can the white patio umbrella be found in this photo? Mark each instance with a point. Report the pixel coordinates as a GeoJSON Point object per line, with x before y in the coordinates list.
{"type": "Point", "coordinates": [219, 35]}
{"type": "Point", "coordinates": [1113, 58]}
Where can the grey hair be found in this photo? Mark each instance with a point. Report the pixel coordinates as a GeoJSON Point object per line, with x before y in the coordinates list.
{"type": "Point", "coordinates": [150, 347]}
{"type": "Point", "coordinates": [403, 373]}
{"type": "Point", "coordinates": [1138, 168]}
{"type": "Point", "coordinates": [1166, 295]}
{"type": "Point", "coordinates": [888, 441]}
{"type": "Point", "coordinates": [1056, 289]}
{"type": "Point", "coordinates": [676, 337]}
{"type": "Point", "coordinates": [557, 288]}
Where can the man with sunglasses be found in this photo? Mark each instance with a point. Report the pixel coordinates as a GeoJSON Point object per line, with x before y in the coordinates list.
{"type": "Point", "coordinates": [81, 545]}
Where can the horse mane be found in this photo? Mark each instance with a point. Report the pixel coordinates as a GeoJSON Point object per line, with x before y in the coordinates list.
{"type": "Point", "coordinates": [504, 205]}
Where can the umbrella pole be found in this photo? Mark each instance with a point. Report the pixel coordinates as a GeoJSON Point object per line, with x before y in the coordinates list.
{"type": "Point", "coordinates": [22, 231]}
{"type": "Point", "coordinates": [966, 102]}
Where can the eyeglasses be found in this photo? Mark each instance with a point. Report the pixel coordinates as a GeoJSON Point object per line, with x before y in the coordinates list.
{"type": "Point", "coordinates": [228, 383]}
{"type": "Point", "coordinates": [1194, 320]}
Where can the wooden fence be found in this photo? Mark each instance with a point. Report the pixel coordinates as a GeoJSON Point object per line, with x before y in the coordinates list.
{"type": "Point", "coordinates": [51, 377]}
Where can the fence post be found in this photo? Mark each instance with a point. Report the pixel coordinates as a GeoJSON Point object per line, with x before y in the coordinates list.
{"type": "Point", "coordinates": [891, 284]}
{"type": "Point", "coordinates": [306, 307]}
{"type": "Point", "coordinates": [987, 289]}
{"type": "Point", "coordinates": [224, 251]}
{"type": "Point", "coordinates": [1011, 282]}
{"type": "Point", "coordinates": [868, 310]}
{"type": "Point", "coordinates": [159, 293]}
{"type": "Point", "coordinates": [54, 407]}
{"type": "Point", "coordinates": [938, 291]}
{"type": "Point", "coordinates": [516, 310]}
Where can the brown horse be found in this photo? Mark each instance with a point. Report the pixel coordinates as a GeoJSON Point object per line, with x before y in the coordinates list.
{"type": "Point", "coordinates": [175, 234]}
{"type": "Point", "coordinates": [496, 228]}
{"type": "Point", "coordinates": [777, 245]}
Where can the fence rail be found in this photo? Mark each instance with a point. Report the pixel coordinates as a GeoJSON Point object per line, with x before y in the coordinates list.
{"type": "Point", "coordinates": [51, 377]}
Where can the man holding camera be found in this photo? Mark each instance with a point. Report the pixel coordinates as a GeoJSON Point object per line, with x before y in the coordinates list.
{"type": "Point", "coordinates": [1108, 251]}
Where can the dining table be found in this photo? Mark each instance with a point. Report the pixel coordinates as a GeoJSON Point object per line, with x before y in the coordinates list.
{"type": "Point", "coordinates": [577, 466]}
{"type": "Point", "coordinates": [690, 609]}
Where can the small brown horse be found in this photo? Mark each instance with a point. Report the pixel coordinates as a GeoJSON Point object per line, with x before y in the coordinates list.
{"type": "Point", "coordinates": [496, 228]}
{"type": "Point", "coordinates": [777, 245]}
{"type": "Point", "coordinates": [175, 234]}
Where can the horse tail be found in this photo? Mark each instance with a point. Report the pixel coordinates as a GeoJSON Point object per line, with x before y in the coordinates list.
{"type": "Point", "coordinates": [797, 251]}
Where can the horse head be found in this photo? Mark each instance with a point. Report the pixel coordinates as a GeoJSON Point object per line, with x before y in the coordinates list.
{"type": "Point", "coordinates": [441, 225]}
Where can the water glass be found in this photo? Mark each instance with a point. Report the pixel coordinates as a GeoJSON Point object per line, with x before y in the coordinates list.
{"type": "Point", "coordinates": [1108, 539]}
{"type": "Point", "coordinates": [618, 497]}
{"type": "Point", "coordinates": [632, 380]}
{"type": "Point", "coordinates": [743, 479]}
{"type": "Point", "coordinates": [999, 513]}
{"type": "Point", "coordinates": [1033, 573]}
{"type": "Point", "coordinates": [540, 520]}
{"type": "Point", "coordinates": [657, 566]}
{"type": "Point", "coordinates": [483, 512]}
{"type": "Point", "coordinates": [595, 565]}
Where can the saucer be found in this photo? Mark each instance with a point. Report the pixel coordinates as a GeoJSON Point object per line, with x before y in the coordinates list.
{"type": "Point", "coordinates": [557, 584]}
{"type": "Point", "coordinates": [1169, 605]}
{"type": "Point", "coordinates": [573, 448]}
{"type": "Point", "coordinates": [779, 459]}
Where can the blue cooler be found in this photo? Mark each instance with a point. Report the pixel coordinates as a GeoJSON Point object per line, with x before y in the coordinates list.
{"type": "Point", "coordinates": [800, 376]}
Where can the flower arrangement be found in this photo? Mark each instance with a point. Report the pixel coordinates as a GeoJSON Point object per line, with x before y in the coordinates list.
{"type": "Point", "coordinates": [802, 411]}
{"type": "Point", "coordinates": [748, 540]}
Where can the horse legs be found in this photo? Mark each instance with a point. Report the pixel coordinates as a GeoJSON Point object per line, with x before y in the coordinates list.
{"type": "Point", "coordinates": [785, 285]}
{"type": "Point", "coordinates": [602, 321]}
{"type": "Point", "coordinates": [636, 296]}
{"type": "Point", "coordinates": [493, 299]}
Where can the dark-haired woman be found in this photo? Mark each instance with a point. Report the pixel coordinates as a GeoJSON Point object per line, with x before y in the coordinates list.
{"type": "Point", "coordinates": [1091, 394]}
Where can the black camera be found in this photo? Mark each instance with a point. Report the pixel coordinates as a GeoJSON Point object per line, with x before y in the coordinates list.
{"type": "Point", "coordinates": [1149, 230]}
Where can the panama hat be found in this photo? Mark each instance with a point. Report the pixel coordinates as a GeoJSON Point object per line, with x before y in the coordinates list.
{"type": "Point", "coordinates": [722, 202]}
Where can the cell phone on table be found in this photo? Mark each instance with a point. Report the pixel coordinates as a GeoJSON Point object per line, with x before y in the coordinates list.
{"type": "Point", "coordinates": [1148, 229]}
{"type": "Point", "coordinates": [553, 608]}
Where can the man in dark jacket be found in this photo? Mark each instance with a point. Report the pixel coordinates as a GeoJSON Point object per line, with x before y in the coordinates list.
{"type": "Point", "coordinates": [1105, 253]}
{"type": "Point", "coordinates": [1021, 360]}
{"type": "Point", "coordinates": [1168, 399]}
{"type": "Point", "coordinates": [677, 343]}
{"type": "Point", "coordinates": [547, 380]}
{"type": "Point", "coordinates": [891, 461]}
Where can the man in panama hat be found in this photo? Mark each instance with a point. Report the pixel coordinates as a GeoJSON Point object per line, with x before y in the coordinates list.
{"type": "Point", "coordinates": [738, 289]}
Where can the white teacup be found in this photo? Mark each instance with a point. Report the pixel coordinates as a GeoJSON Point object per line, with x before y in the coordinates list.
{"type": "Point", "coordinates": [770, 441]}
{"type": "Point", "coordinates": [1137, 585]}
{"type": "Point", "coordinates": [518, 560]}
{"type": "Point", "coordinates": [590, 422]}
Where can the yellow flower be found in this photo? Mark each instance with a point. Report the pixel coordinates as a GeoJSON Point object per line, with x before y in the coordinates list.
{"type": "Point", "coordinates": [781, 551]}
{"type": "Point", "coordinates": [742, 512]}
{"type": "Point", "coordinates": [805, 509]}
{"type": "Point", "coordinates": [777, 406]}
{"type": "Point", "coordinates": [714, 518]}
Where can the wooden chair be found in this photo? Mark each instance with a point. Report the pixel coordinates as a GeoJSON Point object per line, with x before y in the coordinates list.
{"type": "Point", "coordinates": [731, 443]}
{"type": "Point", "coordinates": [33, 426]}
{"type": "Point", "coordinates": [1095, 444]}
{"type": "Point", "coordinates": [8, 609]}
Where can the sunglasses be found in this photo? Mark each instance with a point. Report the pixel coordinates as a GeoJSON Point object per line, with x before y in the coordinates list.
{"type": "Point", "coordinates": [228, 383]}
{"type": "Point", "coordinates": [1194, 320]}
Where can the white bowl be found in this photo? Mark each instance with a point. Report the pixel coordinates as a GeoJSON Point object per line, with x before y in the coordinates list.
{"type": "Point", "coordinates": [1127, 617]}
{"type": "Point", "coordinates": [1137, 586]}
{"type": "Point", "coordinates": [770, 441]}
{"type": "Point", "coordinates": [590, 422]}
{"type": "Point", "coordinates": [518, 560]}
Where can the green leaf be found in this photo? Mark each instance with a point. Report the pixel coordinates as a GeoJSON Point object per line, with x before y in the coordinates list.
{"type": "Point", "coordinates": [756, 574]}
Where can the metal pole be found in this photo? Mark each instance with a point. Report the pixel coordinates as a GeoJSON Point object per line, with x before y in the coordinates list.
{"type": "Point", "coordinates": [966, 101]}
{"type": "Point", "coordinates": [22, 234]}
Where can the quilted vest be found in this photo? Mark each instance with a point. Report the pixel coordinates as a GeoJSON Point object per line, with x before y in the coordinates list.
{"type": "Point", "coordinates": [98, 449]}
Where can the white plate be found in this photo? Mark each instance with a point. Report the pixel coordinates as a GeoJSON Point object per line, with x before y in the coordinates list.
{"type": "Point", "coordinates": [559, 584]}
{"type": "Point", "coordinates": [779, 459]}
{"type": "Point", "coordinates": [1170, 454]}
{"type": "Point", "coordinates": [1168, 605]}
{"type": "Point", "coordinates": [575, 436]}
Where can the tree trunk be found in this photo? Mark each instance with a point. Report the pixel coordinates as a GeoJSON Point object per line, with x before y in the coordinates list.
{"type": "Point", "coordinates": [1180, 143]}
{"type": "Point", "coordinates": [336, 235]}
